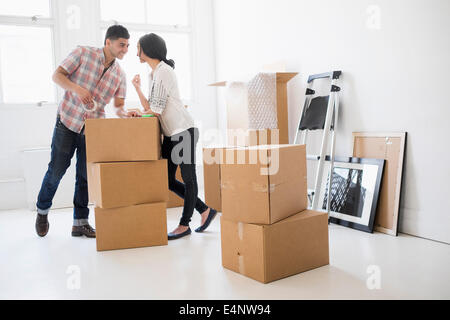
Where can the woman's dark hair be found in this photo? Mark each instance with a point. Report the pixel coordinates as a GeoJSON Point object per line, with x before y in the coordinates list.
{"type": "Point", "coordinates": [115, 32]}
{"type": "Point", "coordinates": [155, 47]}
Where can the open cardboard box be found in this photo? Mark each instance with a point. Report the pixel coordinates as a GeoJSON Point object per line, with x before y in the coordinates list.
{"type": "Point", "coordinates": [260, 103]}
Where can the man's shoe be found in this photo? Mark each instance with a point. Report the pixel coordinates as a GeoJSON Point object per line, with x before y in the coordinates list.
{"type": "Point", "coordinates": [212, 214]}
{"type": "Point", "coordinates": [42, 225]}
{"type": "Point", "coordinates": [173, 236]}
{"type": "Point", "coordinates": [87, 230]}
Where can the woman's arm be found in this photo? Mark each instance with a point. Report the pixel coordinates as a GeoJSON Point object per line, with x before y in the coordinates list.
{"type": "Point", "coordinates": [137, 85]}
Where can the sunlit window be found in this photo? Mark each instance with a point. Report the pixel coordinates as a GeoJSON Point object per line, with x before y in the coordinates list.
{"type": "Point", "coordinates": [25, 8]}
{"type": "Point", "coordinates": [177, 49]}
{"type": "Point", "coordinates": [172, 19]}
{"type": "Point", "coordinates": [26, 64]}
{"type": "Point", "coordinates": [155, 12]}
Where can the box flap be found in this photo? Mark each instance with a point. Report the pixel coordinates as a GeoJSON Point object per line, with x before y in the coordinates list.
{"type": "Point", "coordinates": [280, 76]}
{"type": "Point", "coordinates": [285, 76]}
{"type": "Point", "coordinates": [218, 84]}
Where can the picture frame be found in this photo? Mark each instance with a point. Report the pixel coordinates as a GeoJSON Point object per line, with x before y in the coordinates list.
{"type": "Point", "coordinates": [390, 146]}
{"type": "Point", "coordinates": [354, 193]}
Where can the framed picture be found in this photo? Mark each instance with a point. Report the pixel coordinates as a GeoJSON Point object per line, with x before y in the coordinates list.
{"type": "Point", "coordinates": [355, 187]}
{"type": "Point", "coordinates": [390, 146]}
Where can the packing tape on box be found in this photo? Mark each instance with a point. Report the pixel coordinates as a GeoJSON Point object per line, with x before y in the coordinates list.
{"type": "Point", "coordinates": [241, 231]}
{"type": "Point", "coordinates": [226, 185]}
{"type": "Point", "coordinates": [241, 264]}
{"type": "Point", "coordinates": [240, 256]}
{"type": "Point", "coordinates": [263, 187]}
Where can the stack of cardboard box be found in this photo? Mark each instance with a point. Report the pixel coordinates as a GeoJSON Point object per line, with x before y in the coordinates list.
{"type": "Point", "coordinates": [266, 231]}
{"type": "Point", "coordinates": [127, 182]}
{"type": "Point", "coordinates": [251, 105]}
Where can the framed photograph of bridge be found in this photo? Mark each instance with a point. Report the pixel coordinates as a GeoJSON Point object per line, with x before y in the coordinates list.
{"type": "Point", "coordinates": [355, 188]}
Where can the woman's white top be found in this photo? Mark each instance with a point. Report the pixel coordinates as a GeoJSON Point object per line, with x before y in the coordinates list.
{"type": "Point", "coordinates": [165, 100]}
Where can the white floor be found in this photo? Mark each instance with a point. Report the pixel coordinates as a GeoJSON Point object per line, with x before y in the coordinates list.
{"type": "Point", "coordinates": [190, 268]}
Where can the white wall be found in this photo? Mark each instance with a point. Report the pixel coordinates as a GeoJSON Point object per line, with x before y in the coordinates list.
{"type": "Point", "coordinates": [395, 78]}
{"type": "Point", "coordinates": [23, 127]}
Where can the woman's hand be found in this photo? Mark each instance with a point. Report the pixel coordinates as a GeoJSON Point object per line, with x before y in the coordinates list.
{"type": "Point", "coordinates": [136, 81]}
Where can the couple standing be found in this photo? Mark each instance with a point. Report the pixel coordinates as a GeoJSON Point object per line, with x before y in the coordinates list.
{"type": "Point", "coordinates": [91, 76]}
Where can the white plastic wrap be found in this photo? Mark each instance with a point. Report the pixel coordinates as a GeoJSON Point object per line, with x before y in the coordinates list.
{"type": "Point", "coordinates": [262, 101]}
{"type": "Point", "coordinates": [252, 104]}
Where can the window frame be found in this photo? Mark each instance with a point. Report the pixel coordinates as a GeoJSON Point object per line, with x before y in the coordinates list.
{"type": "Point", "coordinates": [145, 27]}
{"type": "Point", "coordinates": [34, 21]}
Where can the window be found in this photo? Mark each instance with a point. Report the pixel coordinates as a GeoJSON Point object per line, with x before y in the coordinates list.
{"type": "Point", "coordinates": [27, 8]}
{"type": "Point", "coordinates": [26, 52]}
{"type": "Point", "coordinates": [144, 16]}
{"type": "Point", "coordinates": [177, 49]}
{"type": "Point", "coordinates": [154, 12]}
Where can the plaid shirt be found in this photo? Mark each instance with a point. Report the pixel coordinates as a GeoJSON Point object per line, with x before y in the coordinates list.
{"type": "Point", "coordinates": [85, 68]}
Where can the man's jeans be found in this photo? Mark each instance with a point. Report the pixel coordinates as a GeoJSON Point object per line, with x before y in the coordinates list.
{"type": "Point", "coordinates": [64, 144]}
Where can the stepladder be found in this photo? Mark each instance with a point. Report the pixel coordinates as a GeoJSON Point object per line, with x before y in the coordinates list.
{"type": "Point", "coordinates": [320, 112]}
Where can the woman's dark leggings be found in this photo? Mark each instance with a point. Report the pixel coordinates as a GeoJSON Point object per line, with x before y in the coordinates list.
{"type": "Point", "coordinates": [179, 150]}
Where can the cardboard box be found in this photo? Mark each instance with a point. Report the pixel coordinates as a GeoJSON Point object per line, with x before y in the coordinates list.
{"type": "Point", "coordinates": [212, 158]}
{"type": "Point", "coordinates": [131, 227]}
{"type": "Point", "coordinates": [121, 184]}
{"type": "Point", "coordinates": [258, 103]}
{"type": "Point", "coordinates": [271, 252]}
{"type": "Point", "coordinates": [131, 139]}
{"type": "Point", "coordinates": [263, 184]}
{"type": "Point", "coordinates": [174, 200]}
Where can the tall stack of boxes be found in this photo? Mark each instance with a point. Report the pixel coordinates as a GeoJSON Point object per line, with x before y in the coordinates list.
{"type": "Point", "coordinates": [266, 231]}
{"type": "Point", "coordinates": [257, 114]}
{"type": "Point", "coordinates": [127, 182]}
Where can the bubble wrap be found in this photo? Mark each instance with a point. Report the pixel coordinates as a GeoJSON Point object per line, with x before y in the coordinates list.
{"type": "Point", "coordinates": [262, 101]}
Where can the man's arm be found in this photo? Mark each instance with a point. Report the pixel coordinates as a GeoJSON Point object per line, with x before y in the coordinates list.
{"type": "Point", "coordinates": [120, 111]}
{"type": "Point", "coordinates": [61, 78]}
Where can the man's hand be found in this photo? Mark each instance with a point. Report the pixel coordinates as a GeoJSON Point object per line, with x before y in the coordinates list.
{"type": "Point", "coordinates": [136, 81]}
{"type": "Point", "coordinates": [84, 95]}
{"type": "Point", "coordinates": [61, 78]}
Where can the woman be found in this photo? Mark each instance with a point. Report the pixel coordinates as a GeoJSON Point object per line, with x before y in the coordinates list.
{"type": "Point", "coordinates": [180, 135]}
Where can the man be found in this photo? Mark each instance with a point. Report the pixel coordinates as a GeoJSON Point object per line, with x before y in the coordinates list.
{"type": "Point", "coordinates": [91, 78]}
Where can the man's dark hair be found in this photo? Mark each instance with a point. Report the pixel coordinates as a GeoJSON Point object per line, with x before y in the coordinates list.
{"type": "Point", "coordinates": [115, 32]}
